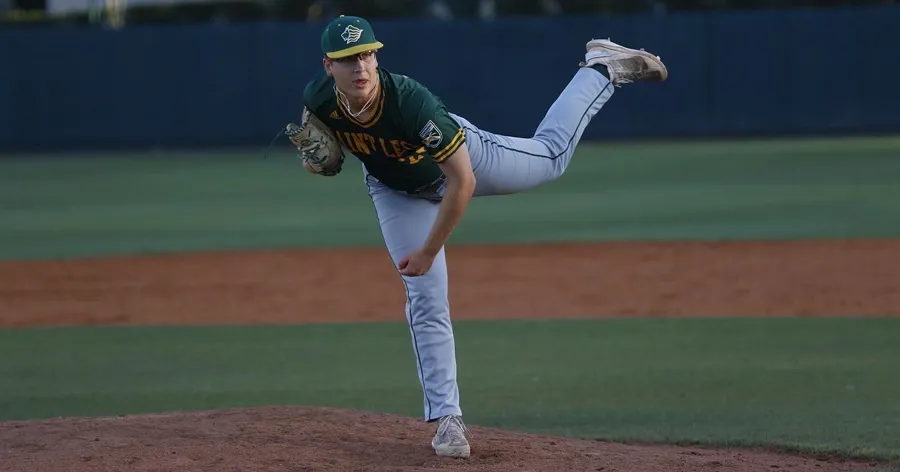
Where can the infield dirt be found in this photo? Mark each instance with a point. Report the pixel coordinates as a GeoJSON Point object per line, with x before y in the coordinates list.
{"type": "Point", "coordinates": [792, 278]}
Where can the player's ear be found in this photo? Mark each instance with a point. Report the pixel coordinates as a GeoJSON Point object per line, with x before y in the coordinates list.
{"type": "Point", "coordinates": [326, 63]}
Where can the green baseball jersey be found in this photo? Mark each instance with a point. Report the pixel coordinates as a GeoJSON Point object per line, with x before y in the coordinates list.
{"type": "Point", "coordinates": [409, 133]}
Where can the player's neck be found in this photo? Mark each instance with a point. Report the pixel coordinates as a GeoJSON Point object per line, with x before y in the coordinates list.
{"type": "Point", "coordinates": [359, 102]}
{"type": "Point", "coordinates": [363, 105]}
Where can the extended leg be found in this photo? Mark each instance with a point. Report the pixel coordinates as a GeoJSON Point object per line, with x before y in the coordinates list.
{"type": "Point", "coordinates": [505, 164]}
{"type": "Point", "coordinates": [405, 223]}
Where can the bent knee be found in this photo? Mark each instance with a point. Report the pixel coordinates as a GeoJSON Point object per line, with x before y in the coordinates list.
{"type": "Point", "coordinates": [558, 154]}
{"type": "Point", "coordinates": [558, 145]}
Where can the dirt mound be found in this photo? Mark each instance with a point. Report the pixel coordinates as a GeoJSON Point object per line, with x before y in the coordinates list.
{"type": "Point", "coordinates": [310, 439]}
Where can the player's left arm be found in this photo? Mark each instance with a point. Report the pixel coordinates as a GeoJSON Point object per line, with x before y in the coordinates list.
{"type": "Point", "coordinates": [444, 139]}
{"type": "Point", "coordinates": [460, 187]}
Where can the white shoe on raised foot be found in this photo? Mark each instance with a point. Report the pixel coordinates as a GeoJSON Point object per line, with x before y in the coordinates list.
{"type": "Point", "coordinates": [450, 438]}
{"type": "Point", "coordinates": [625, 65]}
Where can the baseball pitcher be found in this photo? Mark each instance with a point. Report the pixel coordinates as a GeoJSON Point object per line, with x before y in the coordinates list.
{"type": "Point", "coordinates": [422, 165]}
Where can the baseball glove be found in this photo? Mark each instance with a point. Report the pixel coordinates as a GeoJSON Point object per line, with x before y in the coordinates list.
{"type": "Point", "coordinates": [317, 145]}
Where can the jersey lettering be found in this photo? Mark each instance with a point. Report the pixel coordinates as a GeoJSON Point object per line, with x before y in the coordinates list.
{"type": "Point", "coordinates": [405, 140]}
{"type": "Point", "coordinates": [368, 145]}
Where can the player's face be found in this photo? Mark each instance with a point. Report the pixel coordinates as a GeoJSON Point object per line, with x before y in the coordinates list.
{"type": "Point", "coordinates": [356, 76]}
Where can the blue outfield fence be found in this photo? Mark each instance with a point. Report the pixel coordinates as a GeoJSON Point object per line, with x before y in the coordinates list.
{"type": "Point", "coordinates": [746, 73]}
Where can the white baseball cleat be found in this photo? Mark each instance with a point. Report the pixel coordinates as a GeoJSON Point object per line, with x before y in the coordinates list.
{"type": "Point", "coordinates": [625, 65]}
{"type": "Point", "coordinates": [450, 438]}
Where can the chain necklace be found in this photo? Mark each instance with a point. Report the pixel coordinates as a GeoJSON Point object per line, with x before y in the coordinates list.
{"type": "Point", "coordinates": [346, 103]}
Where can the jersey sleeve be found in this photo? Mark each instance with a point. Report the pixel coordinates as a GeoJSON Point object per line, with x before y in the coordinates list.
{"type": "Point", "coordinates": [316, 94]}
{"type": "Point", "coordinates": [435, 130]}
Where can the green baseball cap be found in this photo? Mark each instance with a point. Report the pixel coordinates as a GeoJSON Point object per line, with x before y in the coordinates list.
{"type": "Point", "coordinates": [347, 36]}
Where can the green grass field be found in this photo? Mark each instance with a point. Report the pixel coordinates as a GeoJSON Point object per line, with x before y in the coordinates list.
{"type": "Point", "coordinates": [819, 385]}
{"type": "Point", "coordinates": [88, 205]}
{"type": "Point", "coordinates": [816, 385]}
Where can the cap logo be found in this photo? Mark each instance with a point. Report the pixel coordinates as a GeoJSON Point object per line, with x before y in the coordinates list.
{"type": "Point", "coordinates": [351, 34]}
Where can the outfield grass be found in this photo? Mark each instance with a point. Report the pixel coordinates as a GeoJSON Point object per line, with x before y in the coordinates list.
{"type": "Point", "coordinates": [87, 205]}
{"type": "Point", "coordinates": [821, 385]}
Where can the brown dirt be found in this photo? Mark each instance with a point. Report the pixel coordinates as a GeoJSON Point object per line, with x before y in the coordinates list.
{"type": "Point", "coordinates": [811, 278]}
{"type": "Point", "coordinates": [307, 439]}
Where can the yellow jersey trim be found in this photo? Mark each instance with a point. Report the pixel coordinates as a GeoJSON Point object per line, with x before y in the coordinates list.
{"type": "Point", "coordinates": [379, 109]}
{"type": "Point", "coordinates": [448, 151]}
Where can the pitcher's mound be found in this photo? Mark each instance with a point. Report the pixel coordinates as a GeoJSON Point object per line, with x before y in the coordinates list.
{"type": "Point", "coordinates": [308, 439]}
